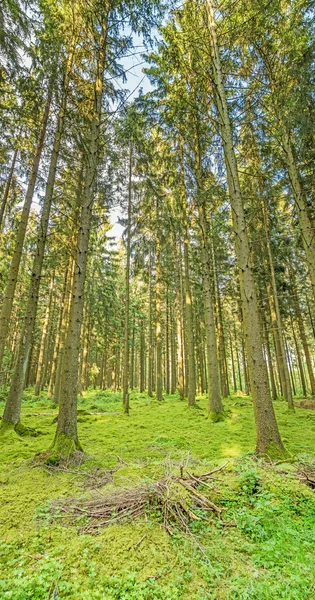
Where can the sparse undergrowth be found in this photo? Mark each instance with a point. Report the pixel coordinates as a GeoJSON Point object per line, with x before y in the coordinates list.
{"type": "Point", "coordinates": [267, 556]}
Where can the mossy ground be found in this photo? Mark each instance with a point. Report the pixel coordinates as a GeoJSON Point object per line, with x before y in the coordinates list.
{"type": "Point", "coordinates": [269, 555]}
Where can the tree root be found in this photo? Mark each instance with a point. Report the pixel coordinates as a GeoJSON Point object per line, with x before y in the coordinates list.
{"type": "Point", "coordinates": [19, 429]}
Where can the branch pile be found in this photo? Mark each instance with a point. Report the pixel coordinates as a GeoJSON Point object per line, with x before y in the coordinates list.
{"type": "Point", "coordinates": [307, 475]}
{"type": "Point", "coordinates": [174, 500]}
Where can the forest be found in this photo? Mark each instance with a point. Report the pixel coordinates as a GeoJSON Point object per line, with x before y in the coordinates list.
{"type": "Point", "coordinates": [157, 300]}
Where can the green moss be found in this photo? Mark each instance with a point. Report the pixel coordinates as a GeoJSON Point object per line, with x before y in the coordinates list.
{"type": "Point", "coordinates": [216, 417]}
{"type": "Point", "coordinates": [6, 427]}
{"type": "Point", "coordinates": [22, 430]}
{"type": "Point", "coordinates": [269, 555]}
{"type": "Point", "coordinates": [276, 452]}
{"type": "Point", "coordinates": [63, 447]}
{"type": "Point", "coordinates": [19, 428]}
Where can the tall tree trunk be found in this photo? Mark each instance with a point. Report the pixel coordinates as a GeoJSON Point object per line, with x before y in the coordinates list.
{"type": "Point", "coordinates": [268, 438]}
{"type": "Point", "coordinates": [66, 438]}
{"type": "Point", "coordinates": [158, 326]}
{"type": "Point", "coordinates": [167, 347]}
{"type": "Point", "coordinates": [142, 357]}
{"type": "Point", "coordinates": [215, 405]}
{"type": "Point", "coordinates": [126, 333]}
{"type": "Point", "coordinates": [189, 331]}
{"type": "Point", "coordinates": [150, 341]}
{"type": "Point", "coordinates": [9, 292]}
{"type": "Point", "coordinates": [12, 409]}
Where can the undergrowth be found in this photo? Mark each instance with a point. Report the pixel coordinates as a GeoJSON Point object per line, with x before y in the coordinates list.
{"type": "Point", "coordinates": [268, 555]}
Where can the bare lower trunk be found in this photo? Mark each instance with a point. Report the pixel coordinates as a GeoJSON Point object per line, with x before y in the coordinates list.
{"type": "Point", "coordinates": [189, 331]}
{"type": "Point", "coordinates": [40, 366]}
{"type": "Point", "coordinates": [58, 334]}
{"type": "Point", "coordinates": [276, 317]}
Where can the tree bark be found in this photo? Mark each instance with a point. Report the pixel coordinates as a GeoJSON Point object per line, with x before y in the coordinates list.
{"type": "Point", "coordinates": [12, 409]}
{"type": "Point", "coordinates": [66, 439]}
{"type": "Point", "coordinates": [126, 333]}
{"type": "Point", "coordinates": [40, 366]}
{"type": "Point", "coordinates": [9, 292]}
{"type": "Point", "coordinates": [268, 440]}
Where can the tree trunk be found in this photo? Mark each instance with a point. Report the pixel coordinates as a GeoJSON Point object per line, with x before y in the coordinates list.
{"type": "Point", "coordinates": [9, 292]}
{"type": "Point", "coordinates": [40, 366]}
{"type": "Point", "coordinates": [12, 409]}
{"type": "Point", "coordinates": [126, 333]}
{"type": "Point", "coordinates": [66, 439]}
{"type": "Point", "coordinates": [276, 317]}
{"type": "Point", "coordinates": [306, 224]}
{"type": "Point", "coordinates": [268, 437]}
{"type": "Point", "coordinates": [8, 185]}
{"type": "Point", "coordinates": [150, 340]}
{"type": "Point", "coordinates": [189, 337]}
{"type": "Point", "coordinates": [58, 333]}
{"type": "Point", "coordinates": [158, 327]}
{"type": "Point", "coordinates": [300, 362]}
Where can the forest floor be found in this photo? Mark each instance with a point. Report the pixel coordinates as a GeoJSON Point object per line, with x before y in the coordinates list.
{"type": "Point", "coordinates": [267, 554]}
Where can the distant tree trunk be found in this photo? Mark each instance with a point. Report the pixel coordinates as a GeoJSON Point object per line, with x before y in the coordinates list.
{"type": "Point", "coordinates": [233, 365]}
{"type": "Point", "coordinates": [290, 368]}
{"type": "Point", "coordinates": [268, 437]}
{"type": "Point", "coordinates": [305, 346]}
{"type": "Point", "coordinates": [300, 362]}
{"type": "Point", "coordinates": [276, 316]}
{"type": "Point", "coordinates": [238, 360]}
{"type": "Point", "coordinates": [40, 367]}
{"type": "Point", "coordinates": [63, 334]}
{"type": "Point", "coordinates": [85, 352]}
{"type": "Point", "coordinates": [58, 334]}
{"type": "Point", "coordinates": [8, 186]}
{"type": "Point", "coordinates": [270, 365]}
{"type": "Point", "coordinates": [132, 361]}
{"type": "Point", "coordinates": [173, 351]}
